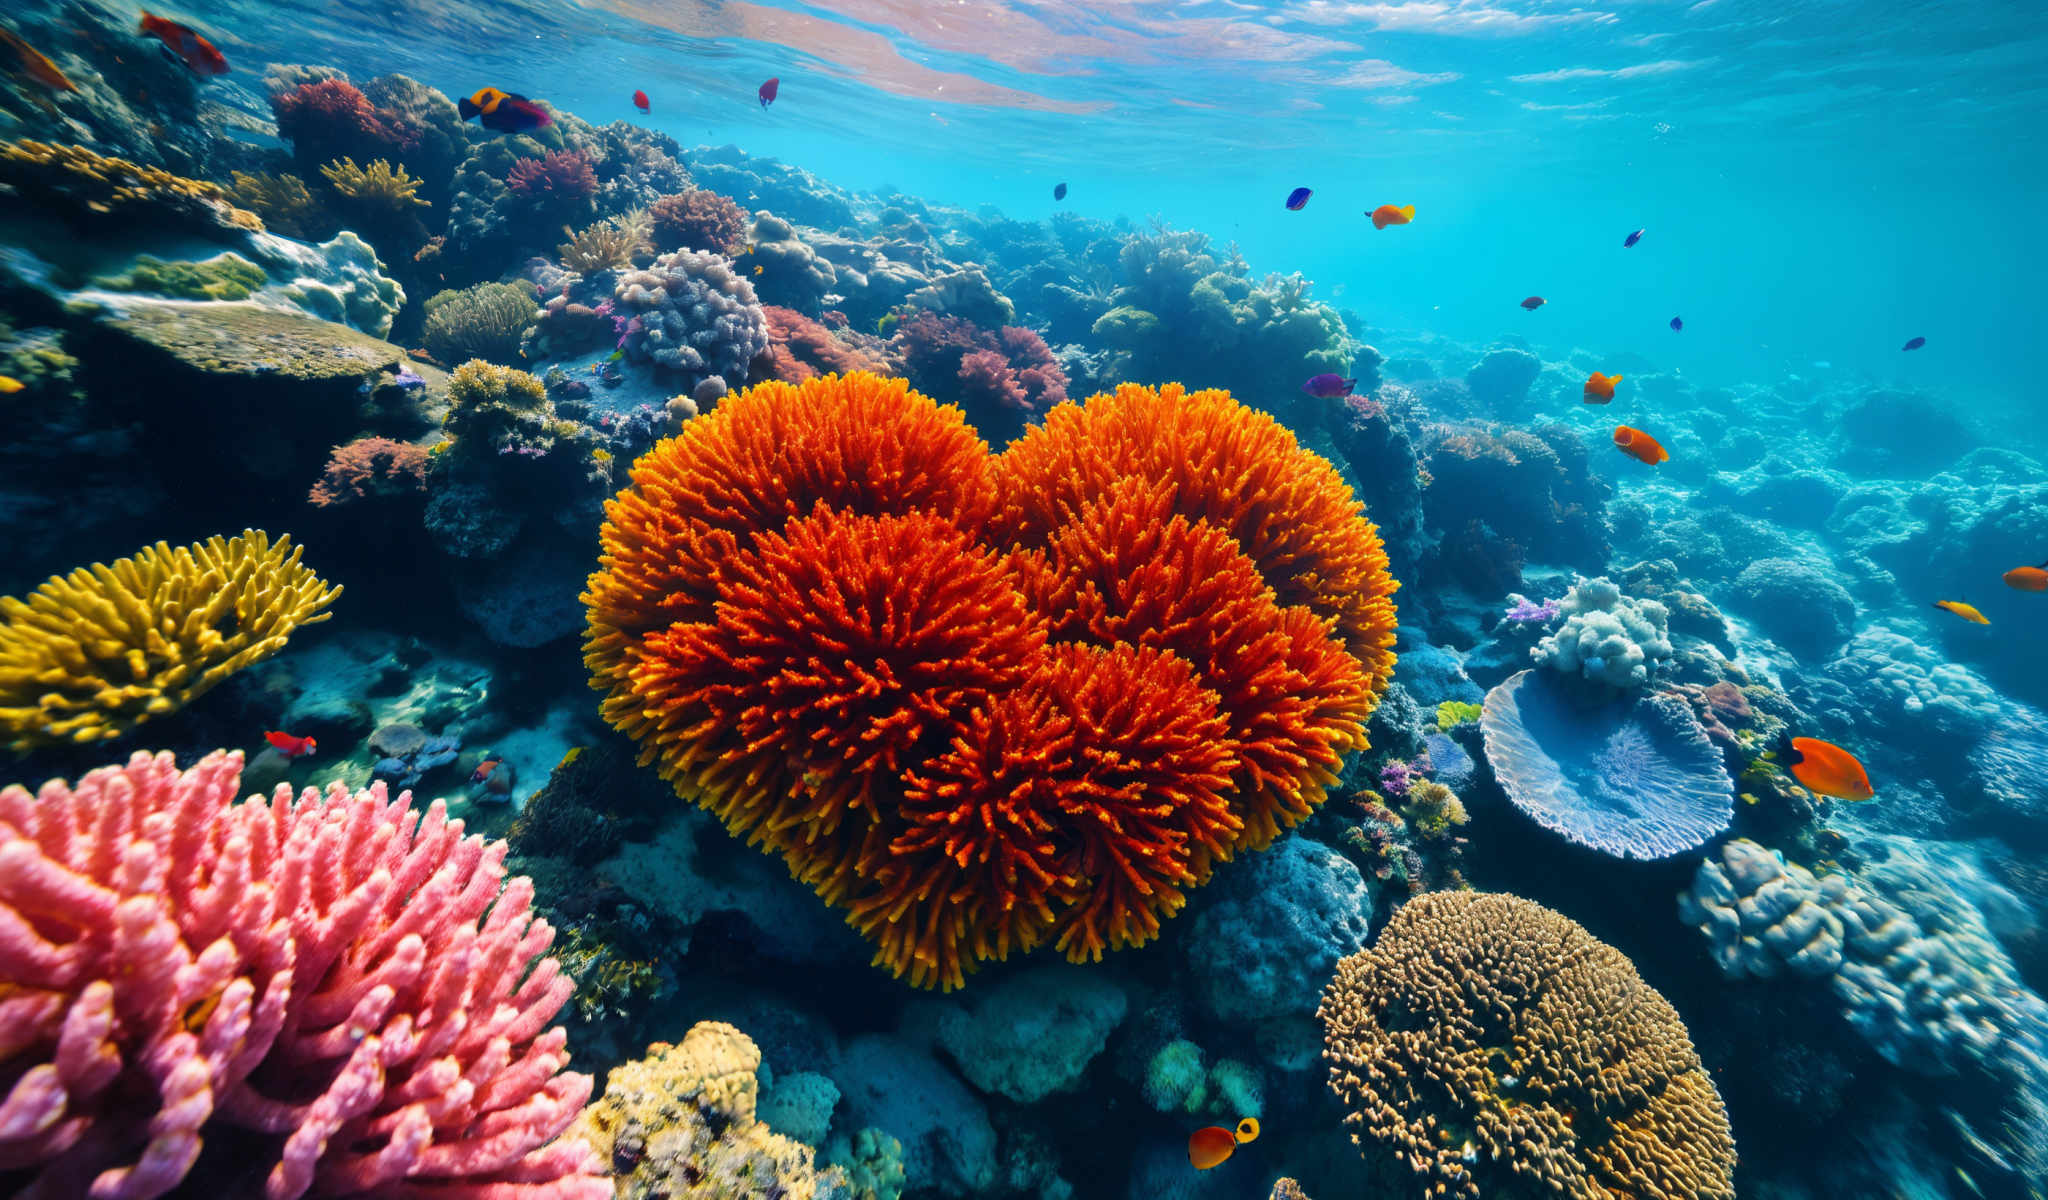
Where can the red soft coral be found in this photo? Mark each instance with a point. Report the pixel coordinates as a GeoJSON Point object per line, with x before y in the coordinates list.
{"type": "Point", "coordinates": [563, 179]}
{"type": "Point", "coordinates": [800, 348]}
{"type": "Point", "coordinates": [1001, 379]}
{"type": "Point", "coordinates": [699, 219]}
{"type": "Point", "coordinates": [332, 119]}
{"type": "Point", "coordinates": [370, 467]}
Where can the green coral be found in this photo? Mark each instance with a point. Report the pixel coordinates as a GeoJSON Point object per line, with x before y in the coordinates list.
{"type": "Point", "coordinates": [1453, 713]}
{"type": "Point", "coordinates": [873, 1162]}
{"type": "Point", "coordinates": [484, 321]}
{"type": "Point", "coordinates": [1431, 808]}
{"type": "Point", "coordinates": [222, 277]}
{"type": "Point", "coordinates": [1175, 1080]}
{"type": "Point", "coordinates": [1238, 1088]}
{"type": "Point", "coordinates": [1126, 327]}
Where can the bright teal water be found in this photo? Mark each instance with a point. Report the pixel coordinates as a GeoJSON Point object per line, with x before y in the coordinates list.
{"type": "Point", "coordinates": [1819, 181]}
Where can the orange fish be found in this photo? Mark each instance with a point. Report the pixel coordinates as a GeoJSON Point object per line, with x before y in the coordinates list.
{"type": "Point", "coordinates": [1640, 446]}
{"type": "Point", "coordinates": [1387, 214]}
{"type": "Point", "coordinates": [35, 65]}
{"type": "Point", "coordinates": [1600, 388]}
{"type": "Point", "coordinates": [1212, 1144]}
{"type": "Point", "coordinates": [2028, 579]}
{"type": "Point", "coordinates": [1827, 770]}
{"type": "Point", "coordinates": [1967, 612]}
{"type": "Point", "coordinates": [289, 746]}
{"type": "Point", "coordinates": [484, 769]}
{"type": "Point", "coordinates": [195, 51]}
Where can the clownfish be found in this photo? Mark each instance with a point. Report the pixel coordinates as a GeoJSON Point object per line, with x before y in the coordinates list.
{"type": "Point", "coordinates": [1640, 446]}
{"type": "Point", "coordinates": [1212, 1144]}
{"type": "Point", "coordinates": [2028, 579]}
{"type": "Point", "coordinates": [289, 746]}
{"type": "Point", "coordinates": [1387, 214]}
{"type": "Point", "coordinates": [1600, 388]}
{"type": "Point", "coordinates": [1967, 612]}
{"type": "Point", "coordinates": [192, 50]}
{"type": "Point", "coordinates": [503, 112]}
{"type": "Point", "coordinates": [1826, 769]}
{"type": "Point", "coordinates": [640, 101]}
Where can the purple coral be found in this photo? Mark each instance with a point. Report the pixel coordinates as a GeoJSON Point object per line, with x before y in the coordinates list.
{"type": "Point", "coordinates": [1396, 776]}
{"type": "Point", "coordinates": [1530, 612]}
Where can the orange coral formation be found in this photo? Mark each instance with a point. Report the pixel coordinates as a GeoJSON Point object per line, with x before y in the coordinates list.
{"type": "Point", "coordinates": [1235, 468]}
{"type": "Point", "coordinates": [815, 615]}
{"type": "Point", "coordinates": [1495, 1048]}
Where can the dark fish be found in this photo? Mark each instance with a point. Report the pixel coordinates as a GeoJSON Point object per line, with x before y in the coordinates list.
{"type": "Point", "coordinates": [503, 112]}
{"type": "Point", "coordinates": [640, 101]}
{"type": "Point", "coordinates": [194, 51]}
{"type": "Point", "coordinates": [1533, 303]}
{"type": "Point", "coordinates": [1677, 326]}
{"type": "Point", "coordinates": [1329, 386]}
{"type": "Point", "coordinates": [1059, 191]}
{"type": "Point", "coordinates": [1915, 344]}
{"type": "Point", "coordinates": [1297, 198]}
{"type": "Point", "coordinates": [767, 92]}
{"type": "Point", "coordinates": [1632, 239]}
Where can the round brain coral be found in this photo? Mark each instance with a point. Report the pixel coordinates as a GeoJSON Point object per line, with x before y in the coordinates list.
{"type": "Point", "coordinates": [1497, 1049]}
{"type": "Point", "coordinates": [1232, 466]}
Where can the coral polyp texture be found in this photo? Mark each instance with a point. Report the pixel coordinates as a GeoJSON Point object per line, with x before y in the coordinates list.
{"type": "Point", "coordinates": [809, 619]}
{"type": "Point", "coordinates": [93, 188]}
{"type": "Point", "coordinates": [339, 979]}
{"type": "Point", "coordinates": [89, 656]}
{"type": "Point", "coordinates": [1495, 1048]}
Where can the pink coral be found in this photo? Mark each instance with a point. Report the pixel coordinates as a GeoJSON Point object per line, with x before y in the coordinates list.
{"type": "Point", "coordinates": [368, 467]}
{"type": "Point", "coordinates": [562, 179]}
{"type": "Point", "coordinates": [800, 348]}
{"type": "Point", "coordinates": [999, 378]}
{"type": "Point", "coordinates": [332, 118]}
{"type": "Point", "coordinates": [340, 974]}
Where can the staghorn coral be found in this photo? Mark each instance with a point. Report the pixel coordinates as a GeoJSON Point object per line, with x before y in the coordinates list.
{"type": "Point", "coordinates": [1495, 1048]}
{"type": "Point", "coordinates": [1230, 466]}
{"type": "Point", "coordinates": [698, 219]}
{"type": "Point", "coordinates": [485, 321]}
{"type": "Point", "coordinates": [682, 1124]}
{"type": "Point", "coordinates": [351, 988]}
{"type": "Point", "coordinates": [608, 245]}
{"type": "Point", "coordinates": [694, 317]}
{"type": "Point", "coordinates": [94, 189]}
{"type": "Point", "coordinates": [90, 655]}
{"type": "Point", "coordinates": [367, 468]}
{"type": "Point", "coordinates": [378, 188]}
{"type": "Point", "coordinates": [1634, 777]}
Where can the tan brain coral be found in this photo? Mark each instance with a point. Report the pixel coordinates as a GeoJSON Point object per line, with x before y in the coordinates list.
{"type": "Point", "coordinates": [90, 655]}
{"type": "Point", "coordinates": [1497, 1049]}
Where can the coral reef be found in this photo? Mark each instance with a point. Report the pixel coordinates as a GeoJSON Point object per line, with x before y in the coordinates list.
{"type": "Point", "coordinates": [800, 348]}
{"type": "Point", "coordinates": [1635, 777]}
{"type": "Point", "coordinates": [1000, 379]}
{"type": "Point", "coordinates": [609, 245]}
{"type": "Point", "coordinates": [1033, 1034]}
{"type": "Point", "coordinates": [694, 318]}
{"type": "Point", "coordinates": [226, 276]}
{"type": "Point", "coordinates": [791, 273]}
{"type": "Point", "coordinates": [1531, 490]}
{"type": "Point", "coordinates": [91, 655]}
{"type": "Point", "coordinates": [1495, 1048]}
{"type": "Point", "coordinates": [96, 191]}
{"type": "Point", "coordinates": [1803, 609]}
{"type": "Point", "coordinates": [369, 468]}
{"type": "Point", "coordinates": [485, 321]}
{"type": "Point", "coordinates": [1271, 928]}
{"type": "Point", "coordinates": [353, 985]}
{"type": "Point", "coordinates": [328, 119]}
{"type": "Point", "coordinates": [284, 203]}
{"type": "Point", "coordinates": [698, 219]}
{"type": "Point", "coordinates": [1500, 381]}
{"type": "Point", "coordinates": [1607, 638]}
{"type": "Point", "coordinates": [559, 185]}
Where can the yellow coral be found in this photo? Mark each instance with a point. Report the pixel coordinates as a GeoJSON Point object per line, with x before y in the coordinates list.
{"type": "Point", "coordinates": [1432, 808]}
{"type": "Point", "coordinates": [379, 185]}
{"type": "Point", "coordinates": [283, 200]}
{"type": "Point", "coordinates": [606, 245]}
{"type": "Point", "coordinates": [90, 655]}
{"type": "Point", "coordinates": [107, 186]}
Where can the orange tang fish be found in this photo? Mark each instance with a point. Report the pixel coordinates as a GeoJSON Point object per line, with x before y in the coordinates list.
{"type": "Point", "coordinates": [1827, 770]}
{"type": "Point", "coordinates": [1600, 388]}
{"type": "Point", "coordinates": [1210, 1145]}
{"type": "Point", "coordinates": [194, 51]}
{"type": "Point", "coordinates": [1640, 446]}
{"type": "Point", "coordinates": [1967, 612]}
{"type": "Point", "coordinates": [1387, 214]}
{"type": "Point", "coordinates": [2028, 579]}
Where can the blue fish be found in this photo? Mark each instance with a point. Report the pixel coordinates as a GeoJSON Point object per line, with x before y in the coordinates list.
{"type": "Point", "coordinates": [1297, 198]}
{"type": "Point", "coordinates": [1059, 191]}
{"type": "Point", "coordinates": [1677, 325]}
{"type": "Point", "coordinates": [1915, 344]}
{"type": "Point", "coordinates": [1632, 239]}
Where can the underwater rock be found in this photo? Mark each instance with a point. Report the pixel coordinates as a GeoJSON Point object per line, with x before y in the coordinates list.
{"type": "Point", "coordinates": [1500, 381]}
{"type": "Point", "coordinates": [1760, 913]}
{"type": "Point", "coordinates": [792, 274]}
{"type": "Point", "coordinates": [1634, 778]}
{"type": "Point", "coordinates": [1801, 608]}
{"type": "Point", "coordinates": [1034, 1033]}
{"type": "Point", "coordinates": [887, 1082]}
{"type": "Point", "coordinates": [798, 1106]}
{"type": "Point", "coordinates": [526, 596]}
{"type": "Point", "coordinates": [1271, 926]}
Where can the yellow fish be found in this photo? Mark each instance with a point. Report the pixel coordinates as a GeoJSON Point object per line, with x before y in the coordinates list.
{"type": "Point", "coordinates": [10, 385]}
{"type": "Point", "coordinates": [1965, 611]}
{"type": "Point", "coordinates": [757, 270]}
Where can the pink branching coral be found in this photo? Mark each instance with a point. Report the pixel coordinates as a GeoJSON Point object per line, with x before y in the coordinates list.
{"type": "Point", "coordinates": [800, 348]}
{"type": "Point", "coordinates": [999, 378]}
{"type": "Point", "coordinates": [333, 118]}
{"type": "Point", "coordinates": [370, 467]}
{"type": "Point", "coordinates": [562, 179]}
{"type": "Point", "coordinates": [339, 973]}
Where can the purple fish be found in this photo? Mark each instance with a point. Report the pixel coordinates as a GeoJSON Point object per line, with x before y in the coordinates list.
{"type": "Point", "coordinates": [1328, 386]}
{"type": "Point", "coordinates": [1915, 344]}
{"type": "Point", "coordinates": [1297, 199]}
{"type": "Point", "coordinates": [1632, 239]}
